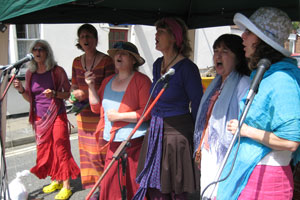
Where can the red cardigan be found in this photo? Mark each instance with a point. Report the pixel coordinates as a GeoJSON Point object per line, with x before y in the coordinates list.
{"type": "Point", "coordinates": [134, 99]}
{"type": "Point", "coordinates": [60, 81]}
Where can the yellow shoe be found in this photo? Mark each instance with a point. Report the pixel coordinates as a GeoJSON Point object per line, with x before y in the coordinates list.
{"type": "Point", "coordinates": [63, 194]}
{"type": "Point", "coordinates": [52, 187]}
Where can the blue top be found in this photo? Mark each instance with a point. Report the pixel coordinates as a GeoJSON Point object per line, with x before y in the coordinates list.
{"type": "Point", "coordinates": [112, 100]}
{"type": "Point", "coordinates": [276, 109]}
{"type": "Point", "coordinates": [184, 87]}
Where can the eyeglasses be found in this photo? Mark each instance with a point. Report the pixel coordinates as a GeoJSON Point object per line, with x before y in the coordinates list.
{"type": "Point", "coordinates": [39, 49]}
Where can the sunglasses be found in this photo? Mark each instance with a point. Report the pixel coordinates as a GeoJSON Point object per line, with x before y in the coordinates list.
{"type": "Point", "coordinates": [39, 49]}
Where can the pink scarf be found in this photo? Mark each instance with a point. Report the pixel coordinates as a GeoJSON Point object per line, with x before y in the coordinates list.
{"type": "Point", "coordinates": [43, 127]}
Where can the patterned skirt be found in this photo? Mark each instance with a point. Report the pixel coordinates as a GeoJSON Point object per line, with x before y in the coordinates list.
{"type": "Point", "coordinates": [177, 167]}
{"type": "Point", "coordinates": [91, 159]}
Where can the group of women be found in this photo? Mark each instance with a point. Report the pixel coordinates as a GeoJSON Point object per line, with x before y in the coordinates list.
{"type": "Point", "coordinates": [186, 133]}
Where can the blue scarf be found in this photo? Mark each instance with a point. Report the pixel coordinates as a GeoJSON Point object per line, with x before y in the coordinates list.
{"type": "Point", "coordinates": [225, 109]}
{"type": "Point", "coordinates": [275, 108]}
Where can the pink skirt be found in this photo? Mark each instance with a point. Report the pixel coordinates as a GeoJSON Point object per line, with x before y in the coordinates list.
{"type": "Point", "coordinates": [269, 182]}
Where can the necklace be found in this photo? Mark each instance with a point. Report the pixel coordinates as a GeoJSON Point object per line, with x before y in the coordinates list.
{"type": "Point", "coordinates": [92, 66]}
{"type": "Point", "coordinates": [163, 68]}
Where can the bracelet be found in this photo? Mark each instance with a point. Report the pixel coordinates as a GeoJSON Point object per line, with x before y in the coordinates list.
{"type": "Point", "coordinates": [54, 93]}
{"type": "Point", "coordinates": [22, 91]}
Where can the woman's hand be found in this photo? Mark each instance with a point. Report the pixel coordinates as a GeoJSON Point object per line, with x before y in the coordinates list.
{"type": "Point", "coordinates": [90, 78]}
{"type": "Point", "coordinates": [48, 93]}
{"type": "Point", "coordinates": [112, 115]}
{"type": "Point", "coordinates": [232, 126]}
{"type": "Point", "coordinates": [79, 94]}
{"type": "Point", "coordinates": [18, 85]}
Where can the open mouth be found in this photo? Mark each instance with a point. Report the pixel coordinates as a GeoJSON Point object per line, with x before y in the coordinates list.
{"type": "Point", "coordinates": [219, 64]}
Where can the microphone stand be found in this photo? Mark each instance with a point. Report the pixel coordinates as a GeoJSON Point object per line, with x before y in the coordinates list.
{"type": "Point", "coordinates": [121, 149]}
{"type": "Point", "coordinates": [4, 190]}
{"type": "Point", "coordinates": [248, 103]}
{"type": "Point", "coordinates": [10, 81]}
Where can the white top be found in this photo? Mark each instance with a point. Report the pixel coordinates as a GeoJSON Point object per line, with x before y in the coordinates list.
{"type": "Point", "coordinates": [277, 158]}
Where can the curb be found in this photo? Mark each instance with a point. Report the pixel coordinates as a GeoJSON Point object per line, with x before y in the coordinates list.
{"type": "Point", "coordinates": [27, 140]}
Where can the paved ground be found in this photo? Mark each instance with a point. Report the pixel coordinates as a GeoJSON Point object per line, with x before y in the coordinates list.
{"type": "Point", "coordinates": [21, 155]}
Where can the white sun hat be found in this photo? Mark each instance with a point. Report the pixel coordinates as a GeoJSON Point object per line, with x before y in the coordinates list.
{"type": "Point", "coordinates": [269, 24]}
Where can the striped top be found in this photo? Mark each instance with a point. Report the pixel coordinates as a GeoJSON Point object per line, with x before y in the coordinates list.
{"type": "Point", "coordinates": [103, 69]}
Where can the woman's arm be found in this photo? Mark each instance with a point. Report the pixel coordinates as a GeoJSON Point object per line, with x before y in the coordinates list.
{"type": "Point", "coordinates": [266, 138]}
{"type": "Point", "coordinates": [56, 94]}
{"type": "Point", "coordinates": [143, 85]}
{"type": "Point", "coordinates": [19, 86]}
{"type": "Point", "coordinates": [90, 81]}
{"type": "Point", "coordinates": [114, 115]}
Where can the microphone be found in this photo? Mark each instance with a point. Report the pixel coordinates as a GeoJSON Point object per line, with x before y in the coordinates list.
{"type": "Point", "coordinates": [27, 58]}
{"type": "Point", "coordinates": [17, 64]}
{"type": "Point", "coordinates": [262, 66]}
{"type": "Point", "coordinates": [169, 73]}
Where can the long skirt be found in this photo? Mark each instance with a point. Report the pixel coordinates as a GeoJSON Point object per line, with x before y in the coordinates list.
{"type": "Point", "coordinates": [269, 183]}
{"type": "Point", "coordinates": [54, 157]}
{"type": "Point", "coordinates": [177, 166]}
{"type": "Point", "coordinates": [90, 141]}
{"type": "Point", "coordinates": [110, 185]}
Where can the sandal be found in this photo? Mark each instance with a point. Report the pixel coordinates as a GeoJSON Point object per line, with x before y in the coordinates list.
{"type": "Point", "coordinates": [52, 187]}
{"type": "Point", "coordinates": [63, 194]}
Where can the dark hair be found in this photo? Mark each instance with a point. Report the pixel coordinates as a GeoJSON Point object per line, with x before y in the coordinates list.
{"type": "Point", "coordinates": [263, 50]}
{"type": "Point", "coordinates": [89, 28]}
{"type": "Point", "coordinates": [185, 49]}
{"type": "Point", "coordinates": [235, 44]}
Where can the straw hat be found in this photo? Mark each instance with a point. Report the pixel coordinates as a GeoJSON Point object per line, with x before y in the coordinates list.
{"type": "Point", "coordinates": [269, 24]}
{"type": "Point", "coordinates": [130, 48]}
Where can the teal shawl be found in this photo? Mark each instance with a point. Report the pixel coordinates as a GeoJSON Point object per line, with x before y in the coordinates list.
{"type": "Point", "coordinates": [275, 108]}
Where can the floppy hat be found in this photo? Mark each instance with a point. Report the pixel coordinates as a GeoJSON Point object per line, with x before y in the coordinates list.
{"type": "Point", "coordinates": [130, 48]}
{"type": "Point", "coordinates": [269, 24]}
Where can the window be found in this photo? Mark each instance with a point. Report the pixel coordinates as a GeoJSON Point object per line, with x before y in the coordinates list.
{"type": "Point", "coordinates": [116, 35]}
{"type": "Point", "coordinates": [26, 33]}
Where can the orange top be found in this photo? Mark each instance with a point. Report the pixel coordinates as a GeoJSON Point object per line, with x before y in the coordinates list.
{"type": "Point", "coordinates": [134, 99]}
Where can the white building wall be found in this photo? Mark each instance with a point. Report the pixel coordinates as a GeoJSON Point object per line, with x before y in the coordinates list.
{"type": "Point", "coordinates": [63, 38]}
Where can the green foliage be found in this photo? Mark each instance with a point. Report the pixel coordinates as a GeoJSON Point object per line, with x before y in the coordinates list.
{"type": "Point", "coordinates": [295, 25]}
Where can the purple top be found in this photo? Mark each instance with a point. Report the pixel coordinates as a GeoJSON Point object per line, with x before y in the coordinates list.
{"type": "Point", "coordinates": [39, 83]}
{"type": "Point", "coordinates": [184, 87]}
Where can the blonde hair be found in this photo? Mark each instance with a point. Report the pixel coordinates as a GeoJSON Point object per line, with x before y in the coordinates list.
{"type": "Point", "coordinates": [50, 62]}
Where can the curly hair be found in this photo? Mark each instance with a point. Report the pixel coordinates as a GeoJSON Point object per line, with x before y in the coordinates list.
{"type": "Point", "coordinates": [89, 28]}
{"type": "Point", "coordinates": [50, 62]}
{"type": "Point", "coordinates": [263, 50]}
{"type": "Point", "coordinates": [185, 48]}
{"type": "Point", "coordinates": [234, 43]}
